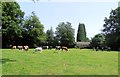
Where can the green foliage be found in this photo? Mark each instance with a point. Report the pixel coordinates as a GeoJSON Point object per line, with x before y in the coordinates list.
{"type": "Point", "coordinates": [16, 30]}
{"type": "Point", "coordinates": [12, 16]}
{"type": "Point", "coordinates": [98, 40]}
{"type": "Point", "coordinates": [74, 62]}
{"type": "Point", "coordinates": [81, 34]}
{"type": "Point", "coordinates": [34, 30]}
{"type": "Point", "coordinates": [87, 39]}
{"type": "Point", "coordinates": [65, 34]}
{"type": "Point", "coordinates": [112, 29]}
{"type": "Point", "coordinates": [0, 21]}
{"type": "Point", "coordinates": [50, 36]}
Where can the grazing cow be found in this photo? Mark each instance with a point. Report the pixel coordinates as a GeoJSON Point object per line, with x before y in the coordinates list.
{"type": "Point", "coordinates": [64, 48]}
{"type": "Point", "coordinates": [20, 47]}
{"type": "Point", "coordinates": [38, 49]}
{"type": "Point", "coordinates": [45, 47]}
{"type": "Point", "coordinates": [14, 47]}
{"type": "Point", "coordinates": [26, 48]}
{"type": "Point", "coordinates": [58, 47]}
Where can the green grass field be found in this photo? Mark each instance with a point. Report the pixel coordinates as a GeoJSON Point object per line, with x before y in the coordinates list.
{"type": "Point", "coordinates": [50, 62]}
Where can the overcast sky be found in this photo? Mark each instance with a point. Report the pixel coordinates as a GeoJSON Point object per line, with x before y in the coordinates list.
{"type": "Point", "coordinates": [51, 13]}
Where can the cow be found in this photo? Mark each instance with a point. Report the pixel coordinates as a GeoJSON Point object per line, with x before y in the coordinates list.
{"type": "Point", "coordinates": [14, 47]}
{"type": "Point", "coordinates": [64, 48]}
{"type": "Point", "coordinates": [45, 47]}
{"type": "Point", "coordinates": [38, 49]}
{"type": "Point", "coordinates": [20, 47]}
{"type": "Point", "coordinates": [58, 47]}
{"type": "Point", "coordinates": [25, 48]}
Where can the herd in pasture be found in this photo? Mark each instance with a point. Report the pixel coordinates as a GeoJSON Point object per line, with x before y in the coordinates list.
{"type": "Point", "coordinates": [63, 48]}
{"type": "Point", "coordinates": [26, 48]}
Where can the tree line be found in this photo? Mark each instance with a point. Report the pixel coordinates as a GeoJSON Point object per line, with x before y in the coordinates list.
{"type": "Point", "coordinates": [110, 35]}
{"type": "Point", "coordinates": [17, 30]}
{"type": "Point", "coordinates": [20, 30]}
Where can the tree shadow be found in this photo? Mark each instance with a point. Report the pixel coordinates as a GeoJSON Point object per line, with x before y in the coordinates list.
{"type": "Point", "coordinates": [5, 60]}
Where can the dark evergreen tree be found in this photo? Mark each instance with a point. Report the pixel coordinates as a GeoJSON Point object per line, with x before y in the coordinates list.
{"type": "Point", "coordinates": [81, 34]}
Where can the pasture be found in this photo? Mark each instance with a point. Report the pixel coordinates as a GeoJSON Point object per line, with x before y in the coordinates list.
{"type": "Point", "coordinates": [51, 62]}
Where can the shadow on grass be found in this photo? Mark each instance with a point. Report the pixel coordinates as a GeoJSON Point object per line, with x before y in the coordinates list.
{"type": "Point", "coordinates": [5, 60]}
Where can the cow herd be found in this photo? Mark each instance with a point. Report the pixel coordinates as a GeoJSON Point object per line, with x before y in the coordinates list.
{"type": "Point", "coordinates": [102, 48]}
{"type": "Point", "coordinates": [26, 48]}
{"type": "Point", "coordinates": [58, 48]}
{"type": "Point", "coordinates": [61, 47]}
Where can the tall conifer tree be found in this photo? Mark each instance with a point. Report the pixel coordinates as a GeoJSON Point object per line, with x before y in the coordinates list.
{"type": "Point", "coordinates": [81, 34]}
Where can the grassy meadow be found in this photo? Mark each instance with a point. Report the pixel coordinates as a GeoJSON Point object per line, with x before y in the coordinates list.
{"type": "Point", "coordinates": [51, 62]}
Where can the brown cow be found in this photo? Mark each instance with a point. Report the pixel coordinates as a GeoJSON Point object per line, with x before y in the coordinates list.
{"type": "Point", "coordinates": [64, 48]}
{"type": "Point", "coordinates": [26, 48]}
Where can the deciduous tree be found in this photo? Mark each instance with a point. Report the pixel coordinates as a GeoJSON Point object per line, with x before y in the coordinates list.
{"type": "Point", "coordinates": [50, 37]}
{"type": "Point", "coordinates": [112, 29]}
{"type": "Point", "coordinates": [34, 30]}
{"type": "Point", "coordinates": [12, 16]}
{"type": "Point", "coordinates": [65, 34]}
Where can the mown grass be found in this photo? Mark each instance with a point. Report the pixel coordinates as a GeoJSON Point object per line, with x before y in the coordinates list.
{"type": "Point", "coordinates": [51, 62]}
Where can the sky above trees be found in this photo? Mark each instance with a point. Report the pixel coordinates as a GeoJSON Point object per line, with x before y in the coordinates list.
{"type": "Point", "coordinates": [50, 14]}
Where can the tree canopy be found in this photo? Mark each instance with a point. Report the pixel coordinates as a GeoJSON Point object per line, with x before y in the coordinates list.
{"type": "Point", "coordinates": [50, 37]}
{"type": "Point", "coordinates": [17, 30]}
{"type": "Point", "coordinates": [65, 34]}
{"type": "Point", "coordinates": [98, 40]}
{"type": "Point", "coordinates": [34, 30]}
{"type": "Point", "coordinates": [112, 29]}
{"type": "Point", "coordinates": [12, 16]}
